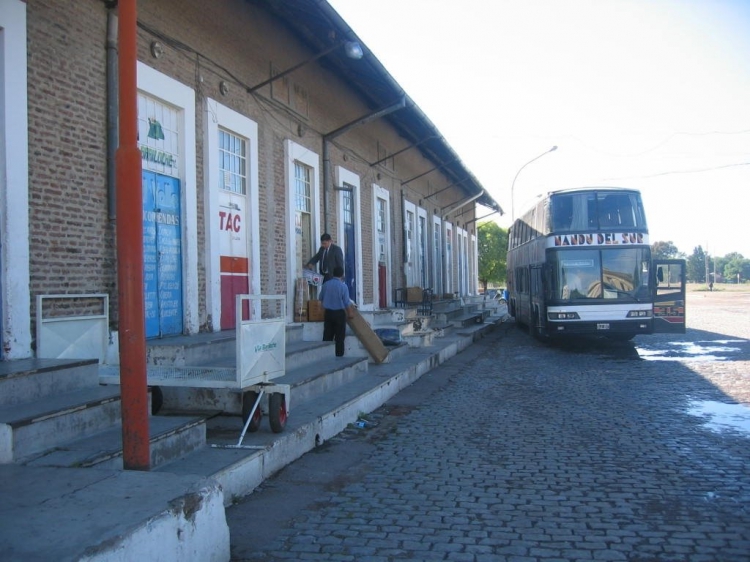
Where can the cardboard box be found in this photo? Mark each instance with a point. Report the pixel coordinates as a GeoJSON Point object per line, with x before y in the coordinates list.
{"type": "Point", "coordinates": [368, 337]}
{"type": "Point", "coordinates": [413, 294]}
{"type": "Point", "coordinates": [315, 311]}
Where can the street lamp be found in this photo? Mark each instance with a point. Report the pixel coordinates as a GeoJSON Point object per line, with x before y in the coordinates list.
{"type": "Point", "coordinates": [513, 185]}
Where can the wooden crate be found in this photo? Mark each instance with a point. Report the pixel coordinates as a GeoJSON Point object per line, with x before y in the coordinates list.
{"type": "Point", "coordinates": [315, 311]}
{"type": "Point", "coordinates": [413, 295]}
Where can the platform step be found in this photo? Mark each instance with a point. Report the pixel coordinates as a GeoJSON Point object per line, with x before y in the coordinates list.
{"type": "Point", "coordinates": [27, 380]}
{"type": "Point", "coordinates": [467, 319]}
{"type": "Point", "coordinates": [34, 427]}
{"type": "Point", "coordinates": [301, 353]}
{"type": "Point", "coordinates": [322, 377]}
{"type": "Point", "coordinates": [170, 438]}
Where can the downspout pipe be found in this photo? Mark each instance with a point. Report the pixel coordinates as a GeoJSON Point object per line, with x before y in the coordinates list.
{"type": "Point", "coordinates": [112, 109]}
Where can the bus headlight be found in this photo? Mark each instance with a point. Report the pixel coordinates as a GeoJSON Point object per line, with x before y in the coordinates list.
{"type": "Point", "coordinates": [563, 316]}
{"type": "Point", "coordinates": [639, 314]}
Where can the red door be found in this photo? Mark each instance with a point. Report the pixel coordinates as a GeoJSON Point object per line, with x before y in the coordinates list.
{"type": "Point", "coordinates": [382, 286]}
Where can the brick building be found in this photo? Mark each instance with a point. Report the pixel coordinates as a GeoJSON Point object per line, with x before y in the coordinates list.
{"type": "Point", "coordinates": [240, 176]}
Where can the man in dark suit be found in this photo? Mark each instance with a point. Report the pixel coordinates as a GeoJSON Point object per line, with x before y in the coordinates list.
{"type": "Point", "coordinates": [329, 256]}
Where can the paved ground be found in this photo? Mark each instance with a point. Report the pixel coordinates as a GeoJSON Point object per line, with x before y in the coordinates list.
{"type": "Point", "coordinates": [520, 451]}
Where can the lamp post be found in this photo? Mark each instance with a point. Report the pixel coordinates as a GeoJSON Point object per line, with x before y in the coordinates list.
{"type": "Point", "coordinates": [513, 185]}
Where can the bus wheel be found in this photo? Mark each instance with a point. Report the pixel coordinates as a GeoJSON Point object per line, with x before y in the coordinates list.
{"type": "Point", "coordinates": [621, 337]}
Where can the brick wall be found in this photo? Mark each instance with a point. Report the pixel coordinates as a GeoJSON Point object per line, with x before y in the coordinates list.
{"type": "Point", "coordinates": [72, 240]}
{"type": "Point", "coordinates": [70, 236]}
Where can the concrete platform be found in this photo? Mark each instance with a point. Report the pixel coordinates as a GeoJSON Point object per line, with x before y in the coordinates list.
{"type": "Point", "coordinates": [176, 512]}
{"type": "Point", "coordinates": [69, 514]}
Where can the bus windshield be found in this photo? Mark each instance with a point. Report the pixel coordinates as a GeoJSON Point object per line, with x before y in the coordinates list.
{"type": "Point", "coordinates": [600, 274]}
{"type": "Point", "coordinates": [597, 210]}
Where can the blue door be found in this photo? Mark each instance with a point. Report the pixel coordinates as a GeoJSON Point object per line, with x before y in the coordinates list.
{"type": "Point", "coordinates": [350, 255]}
{"type": "Point", "coordinates": [1, 300]}
{"type": "Point", "coordinates": [162, 255]}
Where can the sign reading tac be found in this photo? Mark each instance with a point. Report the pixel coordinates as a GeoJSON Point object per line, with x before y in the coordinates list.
{"type": "Point", "coordinates": [230, 221]}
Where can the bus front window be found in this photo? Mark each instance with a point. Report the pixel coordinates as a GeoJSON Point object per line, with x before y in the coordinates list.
{"type": "Point", "coordinates": [601, 274]}
{"type": "Point", "coordinates": [579, 273]}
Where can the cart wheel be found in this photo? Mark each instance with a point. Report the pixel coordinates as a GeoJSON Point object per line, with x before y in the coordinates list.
{"type": "Point", "coordinates": [248, 401]}
{"type": "Point", "coordinates": [277, 413]}
{"type": "Point", "coordinates": [157, 400]}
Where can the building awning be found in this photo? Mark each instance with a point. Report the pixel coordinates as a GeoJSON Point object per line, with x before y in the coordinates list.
{"type": "Point", "coordinates": [319, 27]}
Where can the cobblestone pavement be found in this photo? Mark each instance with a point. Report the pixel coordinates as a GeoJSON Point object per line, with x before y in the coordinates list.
{"type": "Point", "coordinates": [588, 451]}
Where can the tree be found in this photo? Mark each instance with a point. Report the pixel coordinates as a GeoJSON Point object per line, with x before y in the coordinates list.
{"type": "Point", "coordinates": [717, 271]}
{"type": "Point", "coordinates": [493, 253]}
{"type": "Point", "coordinates": [734, 255]}
{"type": "Point", "coordinates": [696, 266]}
{"type": "Point", "coordinates": [737, 270]}
{"type": "Point", "coordinates": [665, 251]}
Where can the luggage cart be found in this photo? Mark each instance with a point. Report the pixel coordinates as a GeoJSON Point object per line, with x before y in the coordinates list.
{"type": "Point", "coordinates": [260, 358]}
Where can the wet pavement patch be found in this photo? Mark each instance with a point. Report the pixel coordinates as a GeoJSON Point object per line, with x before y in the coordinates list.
{"type": "Point", "coordinates": [702, 350]}
{"type": "Point", "coordinates": [722, 417]}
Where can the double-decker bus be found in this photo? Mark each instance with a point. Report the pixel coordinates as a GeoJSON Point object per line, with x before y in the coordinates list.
{"type": "Point", "coordinates": [579, 262]}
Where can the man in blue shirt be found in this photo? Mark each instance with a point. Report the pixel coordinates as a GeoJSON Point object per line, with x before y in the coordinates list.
{"type": "Point", "coordinates": [334, 296]}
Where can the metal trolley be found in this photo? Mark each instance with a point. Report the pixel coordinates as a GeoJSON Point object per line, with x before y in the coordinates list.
{"type": "Point", "coordinates": [260, 358]}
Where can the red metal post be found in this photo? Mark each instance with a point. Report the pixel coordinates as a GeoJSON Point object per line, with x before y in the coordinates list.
{"type": "Point", "coordinates": [135, 435]}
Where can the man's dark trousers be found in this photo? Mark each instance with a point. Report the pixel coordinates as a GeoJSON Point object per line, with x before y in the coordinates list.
{"type": "Point", "coordinates": [334, 328]}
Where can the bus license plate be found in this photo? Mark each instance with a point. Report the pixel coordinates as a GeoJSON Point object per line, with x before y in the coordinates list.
{"type": "Point", "coordinates": [604, 326]}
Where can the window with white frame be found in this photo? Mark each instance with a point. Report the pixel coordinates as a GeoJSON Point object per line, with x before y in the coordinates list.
{"type": "Point", "coordinates": [158, 135]}
{"type": "Point", "coordinates": [381, 224]}
{"type": "Point", "coordinates": [303, 207]}
{"type": "Point", "coordinates": [232, 162]}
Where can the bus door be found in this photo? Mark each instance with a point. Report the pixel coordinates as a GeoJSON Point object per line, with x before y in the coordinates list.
{"type": "Point", "coordinates": [669, 296]}
{"type": "Point", "coordinates": [538, 317]}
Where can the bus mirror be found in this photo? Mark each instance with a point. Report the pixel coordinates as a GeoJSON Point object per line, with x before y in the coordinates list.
{"type": "Point", "coordinates": [660, 274]}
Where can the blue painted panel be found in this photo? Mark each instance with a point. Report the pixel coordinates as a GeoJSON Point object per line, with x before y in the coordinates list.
{"type": "Point", "coordinates": [169, 246]}
{"type": "Point", "coordinates": [150, 279]}
{"type": "Point", "coordinates": [350, 261]}
{"type": "Point", "coordinates": [1, 300]}
{"type": "Point", "coordinates": [162, 255]}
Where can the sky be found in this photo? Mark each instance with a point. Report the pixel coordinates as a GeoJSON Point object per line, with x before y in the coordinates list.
{"type": "Point", "coordinates": [648, 94]}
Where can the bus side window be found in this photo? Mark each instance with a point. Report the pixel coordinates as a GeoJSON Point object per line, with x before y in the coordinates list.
{"type": "Point", "coordinates": [607, 212]}
{"type": "Point", "coordinates": [562, 213]}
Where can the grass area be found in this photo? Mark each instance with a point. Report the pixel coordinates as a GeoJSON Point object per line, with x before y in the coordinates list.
{"type": "Point", "coordinates": [720, 287]}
